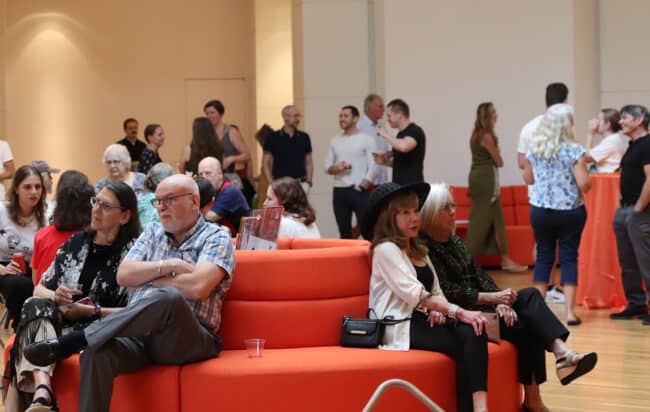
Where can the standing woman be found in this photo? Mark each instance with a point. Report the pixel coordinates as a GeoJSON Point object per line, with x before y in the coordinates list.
{"type": "Point", "coordinates": [487, 233]}
{"type": "Point", "coordinates": [556, 168]}
{"type": "Point", "coordinates": [118, 162]}
{"type": "Point", "coordinates": [404, 284]}
{"type": "Point", "coordinates": [20, 219]}
{"type": "Point", "coordinates": [606, 156]}
{"type": "Point", "coordinates": [204, 143]}
{"type": "Point", "coordinates": [155, 137]}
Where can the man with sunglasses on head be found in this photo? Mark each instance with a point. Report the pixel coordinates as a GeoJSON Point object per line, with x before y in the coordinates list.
{"type": "Point", "coordinates": [180, 270]}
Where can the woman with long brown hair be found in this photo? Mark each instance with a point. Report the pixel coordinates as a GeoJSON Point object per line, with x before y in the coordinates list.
{"type": "Point", "coordinates": [487, 233]}
{"type": "Point", "coordinates": [299, 218]}
{"type": "Point", "coordinates": [204, 144]}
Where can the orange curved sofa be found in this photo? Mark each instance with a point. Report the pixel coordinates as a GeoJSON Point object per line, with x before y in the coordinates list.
{"type": "Point", "coordinates": [295, 299]}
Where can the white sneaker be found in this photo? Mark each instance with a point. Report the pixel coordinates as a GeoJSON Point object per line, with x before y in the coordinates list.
{"type": "Point", "coordinates": [555, 295]}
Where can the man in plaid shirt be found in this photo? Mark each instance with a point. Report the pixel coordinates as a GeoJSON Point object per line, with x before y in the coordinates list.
{"type": "Point", "coordinates": [180, 271]}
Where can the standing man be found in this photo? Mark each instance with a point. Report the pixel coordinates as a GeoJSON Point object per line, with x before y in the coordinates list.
{"type": "Point", "coordinates": [287, 152]}
{"type": "Point", "coordinates": [408, 147]}
{"type": "Point", "coordinates": [180, 270]}
{"type": "Point", "coordinates": [556, 93]}
{"type": "Point", "coordinates": [349, 159]}
{"type": "Point", "coordinates": [632, 219]}
{"type": "Point", "coordinates": [229, 201]}
{"type": "Point", "coordinates": [373, 107]}
{"type": "Point", "coordinates": [134, 145]}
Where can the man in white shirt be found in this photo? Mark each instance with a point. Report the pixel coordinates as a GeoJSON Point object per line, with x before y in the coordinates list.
{"type": "Point", "coordinates": [373, 107]}
{"type": "Point", "coordinates": [349, 159]}
{"type": "Point", "coordinates": [7, 168]}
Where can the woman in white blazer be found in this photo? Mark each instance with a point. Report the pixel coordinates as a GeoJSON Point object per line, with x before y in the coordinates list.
{"type": "Point", "coordinates": [404, 284]}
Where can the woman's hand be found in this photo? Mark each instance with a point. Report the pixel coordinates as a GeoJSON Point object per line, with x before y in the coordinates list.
{"type": "Point", "coordinates": [12, 268]}
{"type": "Point", "coordinates": [227, 161]}
{"type": "Point", "coordinates": [505, 297]}
{"type": "Point", "coordinates": [436, 318]}
{"type": "Point", "coordinates": [508, 314]}
{"type": "Point", "coordinates": [77, 311]}
{"type": "Point", "coordinates": [473, 318]}
{"type": "Point", "coordinates": [592, 125]}
{"type": "Point", "coordinates": [64, 296]}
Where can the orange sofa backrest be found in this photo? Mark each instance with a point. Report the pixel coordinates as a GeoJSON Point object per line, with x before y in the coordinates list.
{"type": "Point", "coordinates": [463, 202]}
{"type": "Point", "coordinates": [300, 243]}
{"type": "Point", "coordinates": [295, 298]}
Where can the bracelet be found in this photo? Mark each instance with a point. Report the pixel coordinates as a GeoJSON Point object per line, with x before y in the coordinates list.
{"type": "Point", "coordinates": [453, 309]}
{"type": "Point", "coordinates": [98, 311]}
{"type": "Point", "coordinates": [423, 298]}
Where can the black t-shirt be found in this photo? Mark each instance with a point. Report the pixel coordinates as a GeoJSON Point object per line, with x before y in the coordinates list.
{"type": "Point", "coordinates": [288, 153]}
{"type": "Point", "coordinates": [632, 174]}
{"type": "Point", "coordinates": [135, 150]}
{"type": "Point", "coordinates": [408, 167]}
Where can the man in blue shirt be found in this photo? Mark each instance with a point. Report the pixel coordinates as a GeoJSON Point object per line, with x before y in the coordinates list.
{"type": "Point", "coordinates": [180, 270]}
{"type": "Point", "coordinates": [229, 201]}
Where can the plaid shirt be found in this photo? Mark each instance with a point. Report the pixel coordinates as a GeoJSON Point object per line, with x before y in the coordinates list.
{"type": "Point", "coordinates": [205, 242]}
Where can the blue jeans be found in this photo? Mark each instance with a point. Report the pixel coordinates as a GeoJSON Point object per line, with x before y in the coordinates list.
{"type": "Point", "coordinates": [557, 227]}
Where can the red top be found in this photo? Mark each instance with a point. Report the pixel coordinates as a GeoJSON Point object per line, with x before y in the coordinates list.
{"type": "Point", "coordinates": [46, 243]}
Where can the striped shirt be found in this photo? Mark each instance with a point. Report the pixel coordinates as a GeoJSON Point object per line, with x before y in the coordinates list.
{"type": "Point", "coordinates": [205, 242]}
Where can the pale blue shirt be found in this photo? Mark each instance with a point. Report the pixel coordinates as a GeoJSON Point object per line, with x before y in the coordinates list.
{"type": "Point", "coordinates": [366, 126]}
{"type": "Point", "coordinates": [555, 185]}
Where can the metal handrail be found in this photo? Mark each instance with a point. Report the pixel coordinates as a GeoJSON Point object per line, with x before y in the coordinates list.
{"type": "Point", "coordinates": [404, 385]}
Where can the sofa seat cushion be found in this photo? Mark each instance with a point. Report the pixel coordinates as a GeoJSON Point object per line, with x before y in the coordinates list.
{"type": "Point", "coordinates": [152, 389]}
{"type": "Point", "coordinates": [332, 378]}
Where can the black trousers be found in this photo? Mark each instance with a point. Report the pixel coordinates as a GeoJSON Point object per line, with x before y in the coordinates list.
{"type": "Point", "coordinates": [15, 290]}
{"type": "Point", "coordinates": [458, 341]}
{"type": "Point", "coordinates": [537, 327]}
{"type": "Point", "coordinates": [345, 201]}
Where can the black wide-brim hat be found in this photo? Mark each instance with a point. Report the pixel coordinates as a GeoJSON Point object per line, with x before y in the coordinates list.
{"type": "Point", "coordinates": [379, 199]}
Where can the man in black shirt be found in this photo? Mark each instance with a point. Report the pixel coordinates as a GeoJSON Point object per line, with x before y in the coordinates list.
{"type": "Point", "coordinates": [407, 157]}
{"type": "Point", "coordinates": [287, 152]}
{"type": "Point", "coordinates": [632, 219]}
{"type": "Point", "coordinates": [131, 141]}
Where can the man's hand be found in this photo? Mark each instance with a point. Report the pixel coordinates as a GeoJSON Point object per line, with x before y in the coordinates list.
{"type": "Point", "coordinates": [176, 265]}
{"type": "Point", "coordinates": [380, 158]}
{"type": "Point", "coordinates": [383, 133]}
{"type": "Point", "coordinates": [508, 314]}
{"type": "Point", "coordinates": [343, 165]}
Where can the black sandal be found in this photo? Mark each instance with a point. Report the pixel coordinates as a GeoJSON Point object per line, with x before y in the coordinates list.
{"type": "Point", "coordinates": [572, 366]}
{"type": "Point", "coordinates": [41, 404]}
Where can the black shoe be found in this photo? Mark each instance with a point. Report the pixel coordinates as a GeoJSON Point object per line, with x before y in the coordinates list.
{"type": "Point", "coordinates": [45, 353]}
{"type": "Point", "coordinates": [630, 312]}
{"type": "Point", "coordinates": [645, 320]}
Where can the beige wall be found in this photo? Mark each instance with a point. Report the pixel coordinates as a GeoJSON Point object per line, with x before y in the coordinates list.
{"type": "Point", "coordinates": [75, 69]}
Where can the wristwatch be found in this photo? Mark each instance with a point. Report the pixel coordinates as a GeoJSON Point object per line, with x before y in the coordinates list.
{"type": "Point", "coordinates": [453, 309]}
{"type": "Point", "coordinates": [98, 311]}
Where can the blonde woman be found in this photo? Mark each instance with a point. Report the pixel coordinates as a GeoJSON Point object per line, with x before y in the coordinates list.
{"type": "Point", "coordinates": [487, 232]}
{"type": "Point", "coordinates": [556, 167]}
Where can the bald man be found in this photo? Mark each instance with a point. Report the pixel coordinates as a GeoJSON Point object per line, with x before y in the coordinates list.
{"type": "Point", "coordinates": [287, 152]}
{"type": "Point", "coordinates": [180, 270]}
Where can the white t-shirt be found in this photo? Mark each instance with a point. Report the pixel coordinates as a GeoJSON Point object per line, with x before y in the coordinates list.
{"type": "Point", "coordinates": [526, 133]}
{"type": "Point", "coordinates": [15, 238]}
{"type": "Point", "coordinates": [5, 156]}
{"type": "Point", "coordinates": [291, 227]}
{"type": "Point", "coordinates": [357, 150]}
{"type": "Point", "coordinates": [609, 152]}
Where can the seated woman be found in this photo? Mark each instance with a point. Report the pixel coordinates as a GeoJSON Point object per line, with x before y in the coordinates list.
{"type": "Point", "coordinates": [299, 220]}
{"type": "Point", "coordinates": [20, 218]}
{"type": "Point", "coordinates": [148, 214]}
{"type": "Point", "coordinates": [404, 284]}
{"type": "Point", "coordinates": [525, 319]}
{"type": "Point", "coordinates": [71, 214]}
{"type": "Point", "coordinates": [118, 162]}
{"type": "Point", "coordinates": [79, 287]}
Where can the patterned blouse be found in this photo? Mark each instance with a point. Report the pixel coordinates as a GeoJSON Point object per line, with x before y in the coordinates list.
{"type": "Point", "coordinates": [461, 278]}
{"type": "Point", "coordinates": [555, 185]}
{"type": "Point", "coordinates": [148, 159]}
{"type": "Point", "coordinates": [70, 262]}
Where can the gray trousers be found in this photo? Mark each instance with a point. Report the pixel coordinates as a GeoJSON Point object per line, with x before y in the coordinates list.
{"type": "Point", "coordinates": [632, 232]}
{"type": "Point", "coordinates": [158, 329]}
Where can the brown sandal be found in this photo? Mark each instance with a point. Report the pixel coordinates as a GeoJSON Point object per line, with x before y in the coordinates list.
{"type": "Point", "coordinates": [572, 366]}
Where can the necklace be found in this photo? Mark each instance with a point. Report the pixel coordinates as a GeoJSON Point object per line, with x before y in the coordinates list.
{"type": "Point", "coordinates": [24, 221]}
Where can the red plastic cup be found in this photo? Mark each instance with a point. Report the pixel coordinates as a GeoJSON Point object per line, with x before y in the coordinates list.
{"type": "Point", "coordinates": [19, 258]}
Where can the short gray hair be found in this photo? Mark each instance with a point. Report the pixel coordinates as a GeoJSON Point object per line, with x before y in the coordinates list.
{"type": "Point", "coordinates": [119, 152]}
{"type": "Point", "coordinates": [156, 175]}
{"type": "Point", "coordinates": [439, 196]}
{"type": "Point", "coordinates": [370, 99]}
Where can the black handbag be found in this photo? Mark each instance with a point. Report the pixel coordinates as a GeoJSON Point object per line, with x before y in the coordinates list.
{"type": "Point", "coordinates": [365, 333]}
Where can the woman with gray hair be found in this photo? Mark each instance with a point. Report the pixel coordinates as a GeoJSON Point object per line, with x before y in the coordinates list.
{"type": "Point", "coordinates": [118, 164]}
{"type": "Point", "coordinates": [556, 170]}
{"type": "Point", "coordinates": [524, 318]}
{"type": "Point", "coordinates": [148, 214]}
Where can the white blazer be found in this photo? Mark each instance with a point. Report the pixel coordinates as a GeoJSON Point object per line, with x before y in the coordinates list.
{"type": "Point", "coordinates": [395, 291]}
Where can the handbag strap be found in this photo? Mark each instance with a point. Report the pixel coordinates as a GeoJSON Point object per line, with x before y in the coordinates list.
{"type": "Point", "coordinates": [387, 320]}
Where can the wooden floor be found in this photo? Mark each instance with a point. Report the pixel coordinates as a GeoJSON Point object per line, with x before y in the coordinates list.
{"type": "Point", "coordinates": [621, 380]}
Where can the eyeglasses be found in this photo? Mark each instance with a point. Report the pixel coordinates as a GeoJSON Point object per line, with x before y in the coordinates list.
{"type": "Point", "coordinates": [450, 207]}
{"type": "Point", "coordinates": [167, 201]}
{"type": "Point", "coordinates": [106, 207]}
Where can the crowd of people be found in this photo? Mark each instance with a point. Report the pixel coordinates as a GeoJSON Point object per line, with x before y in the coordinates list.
{"type": "Point", "coordinates": [164, 235]}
